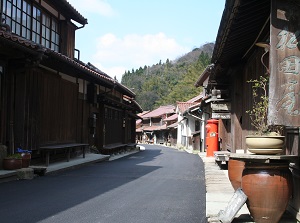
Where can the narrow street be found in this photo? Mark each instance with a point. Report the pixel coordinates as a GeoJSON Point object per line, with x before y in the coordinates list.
{"type": "Point", "coordinates": [159, 184]}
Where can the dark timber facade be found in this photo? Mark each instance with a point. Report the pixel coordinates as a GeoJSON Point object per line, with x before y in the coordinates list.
{"type": "Point", "coordinates": [47, 96]}
{"type": "Point", "coordinates": [257, 38]}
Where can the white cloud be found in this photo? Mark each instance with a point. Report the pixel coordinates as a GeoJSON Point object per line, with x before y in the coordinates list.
{"type": "Point", "coordinates": [101, 7]}
{"type": "Point", "coordinates": [115, 72]}
{"type": "Point", "coordinates": [116, 55]}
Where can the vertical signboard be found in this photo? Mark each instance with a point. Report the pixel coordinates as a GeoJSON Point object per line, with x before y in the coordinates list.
{"type": "Point", "coordinates": [284, 96]}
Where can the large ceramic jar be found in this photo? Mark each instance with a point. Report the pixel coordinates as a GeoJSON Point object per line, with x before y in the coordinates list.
{"type": "Point", "coordinates": [12, 163]}
{"type": "Point", "coordinates": [268, 188]}
{"type": "Point", "coordinates": [235, 170]}
{"type": "Point", "coordinates": [26, 157]}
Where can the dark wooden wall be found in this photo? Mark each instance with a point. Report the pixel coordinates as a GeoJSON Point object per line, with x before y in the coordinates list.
{"type": "Point", "coordinates": [225, 135]}
{"type": "Point", "coordinates": [58, 110]}
{"type": "Point", "coordinates": [3, 107]}
{"type": "Point", "coordinates": [113, 122]}
{"type": "Point", "coordinates": [67, 44]}
{"type": "Point", "coordinates": [129, 133]}
{"type": "Point", "coordinates": [42, 108]}
{"type": "Point", "coordinates": [284, 81]}
{"type": "Point", "coordinates": [196, 141]}
{"type": "Point", "coordinates": [232, 132]}
{"type": "Point", "coordinates": [173, 137]}
{"type": "Point", "coordinates": [45, 109]}
{"type": "Point", "coordinates": [292, 140]}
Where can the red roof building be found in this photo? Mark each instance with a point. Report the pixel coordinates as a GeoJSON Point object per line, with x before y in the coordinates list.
{"type": "Point", "coordinates": [162, 111]}
{"type": "Point", "coordinates": [154, 123]}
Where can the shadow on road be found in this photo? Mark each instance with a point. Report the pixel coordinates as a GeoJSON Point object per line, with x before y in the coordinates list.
{"type": "Point", "coordinates": [43, 197]}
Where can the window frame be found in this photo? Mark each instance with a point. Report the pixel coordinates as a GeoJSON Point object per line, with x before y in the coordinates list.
{"type": "Point", "coordinates": [28, 20]}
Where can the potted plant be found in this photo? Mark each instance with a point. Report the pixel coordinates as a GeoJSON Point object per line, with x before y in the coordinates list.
{"type": "Point", "coordinates": [12, 162]}
{"type": "Point", "coordinates": [26, 157]}
{"type": "Point", "coordinates": [265, 140]}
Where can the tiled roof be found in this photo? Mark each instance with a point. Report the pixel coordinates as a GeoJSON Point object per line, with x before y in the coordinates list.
{"type": "Point", "coordinates": [143, 113]}
{"type": "Point", "coordinates": [197, 98]}
{"type": "Point", "coordinates": [132, 100]}
{"type": "Point", "coordinates": [236, 14]}
{"type": "Point", "coordinates": [37, 49]}
{"type": "Point", "coordinates": [162, 110]}
{"type": "Point", "coordinates": [18, 40]}
{"type": "Point", "coordinates": [183, 106]}
{"type": "Point", "coordinates": [70, 11]}
{"type": "Point", "coordinates": [150, 128]}
{"type": "Point", "coordinates": [81, 65]}
{"type": "Point", "coordinates": [205, 74]}
{"type": "Point", "coordinates": [172, 118]}
{"type": "Point", "coordinates": [174, 125]}
{"type": "Point", "coordinates": [196, 105]}
{"type": "Point", "coordinates": [94, 72]}
{"type": "Point", "coordinates": [155, 127]}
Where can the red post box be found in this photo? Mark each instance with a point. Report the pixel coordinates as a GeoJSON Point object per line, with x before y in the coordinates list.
{"type": "Point", "coordinates": [211, 137]}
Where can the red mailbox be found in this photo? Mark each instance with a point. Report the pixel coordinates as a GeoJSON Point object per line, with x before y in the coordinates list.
{"type": "Point", "coordinates": [211, 137]}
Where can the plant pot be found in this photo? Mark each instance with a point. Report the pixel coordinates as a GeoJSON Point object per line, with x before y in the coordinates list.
{"type": "Point", "coordinates": [268, 188]}
{"type": "Point", "coordinates": [12, 164]}
{"type": "Point", "coordinates": [26, 157]}
{"type": "Point", "coordinates": [265, 145]}
{"type": "Point", "coordinates": [235, 171]}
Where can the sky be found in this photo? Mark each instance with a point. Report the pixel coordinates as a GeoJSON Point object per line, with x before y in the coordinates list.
{"type": "Point", "coordinates": [122, 35]}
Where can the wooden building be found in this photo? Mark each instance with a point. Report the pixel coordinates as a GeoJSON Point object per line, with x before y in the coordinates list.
{"type": "Point", "coordinates": [140, 136]}
{"type": "Point", "coordinates": [172, 124]}
{"type": "Point", "coordinates": [154, 126]}
{"type": "Point", "coordinates": [191, 126]}
{"type": "Point", "coordinates": [257, 38]}
{"type": "Point", "coordinates": [47, 95]}
{"type": "Point", "coordinates": [186, 125]}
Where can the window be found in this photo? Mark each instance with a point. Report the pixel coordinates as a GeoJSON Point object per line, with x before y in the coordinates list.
{"type": "Point", "coordinates": [36, 25]}
{"type": "Point", "coordinates": [30, 22]}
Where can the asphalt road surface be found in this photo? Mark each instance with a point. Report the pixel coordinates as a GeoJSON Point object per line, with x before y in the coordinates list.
{"type": "Point", "coordinates": [157, 185]}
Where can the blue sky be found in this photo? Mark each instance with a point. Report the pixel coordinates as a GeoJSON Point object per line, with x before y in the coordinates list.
{"type": "Point", "coordinates": [122, 35]}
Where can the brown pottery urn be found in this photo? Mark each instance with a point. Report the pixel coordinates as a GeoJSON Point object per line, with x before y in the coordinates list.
{"type": "Point", "coordinates": [235, 171]}
{"type": "Point", "coordinates": [268, 188]}
{"type": "Point", "coordinates": [26, 158]}
{"type": "Point", "coordinates": [12, 164]}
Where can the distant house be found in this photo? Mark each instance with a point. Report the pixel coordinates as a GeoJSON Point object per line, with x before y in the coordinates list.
{"type": "Point", "coordinates": [154, 126]}
{"type": "Point", "coordinates": [189, 123]}
{"type": "Point", "coordinates": [139, 127]}
{"type": "Point", "coordinates": [172, 124]}
{"type": "Point", "coordinates": [47, 95]}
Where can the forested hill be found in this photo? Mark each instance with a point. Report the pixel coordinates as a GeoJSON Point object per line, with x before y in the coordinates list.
{"type": "Point", "coordinates": [166, 83]}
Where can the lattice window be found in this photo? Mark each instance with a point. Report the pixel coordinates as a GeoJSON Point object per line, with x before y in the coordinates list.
{"type": "Point", "coordinates": [30, 22]}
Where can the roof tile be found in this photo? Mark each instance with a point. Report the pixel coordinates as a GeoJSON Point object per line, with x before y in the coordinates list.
{"type": "Point", "coordinates": [183, 106]}
{"type": "Point", "coordinates": [162, 110]}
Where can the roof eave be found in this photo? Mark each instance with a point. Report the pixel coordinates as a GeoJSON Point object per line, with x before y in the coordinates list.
{"type": "Point", "coordinates": [205, 74]}
{"type": "Point", "coordinates": [70, 11]}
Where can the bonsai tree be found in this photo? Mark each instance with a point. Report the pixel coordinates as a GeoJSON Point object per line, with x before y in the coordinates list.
{"type": "Point", "coordinates": [259, 112]}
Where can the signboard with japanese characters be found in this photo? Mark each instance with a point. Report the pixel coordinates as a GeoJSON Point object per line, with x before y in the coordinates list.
{"type": "Point", "coordinates": [220, 106]}
{"type": "Point", "coordinates": [221, 115]}
{"type": "Point", "coordinates": [284, 87]}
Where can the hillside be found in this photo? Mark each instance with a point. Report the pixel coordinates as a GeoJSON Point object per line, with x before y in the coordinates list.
{"type": "Point", "coordinates": [171, 81]}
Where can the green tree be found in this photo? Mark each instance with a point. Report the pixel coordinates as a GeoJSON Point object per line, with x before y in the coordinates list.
{"type": "Point", "coordinates": [166, 83]}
